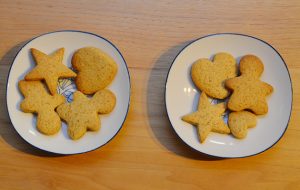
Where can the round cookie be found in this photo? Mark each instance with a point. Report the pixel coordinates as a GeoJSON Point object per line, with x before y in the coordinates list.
{"type": "Point", "coordinates": [209, 76]}
{"type": "Point", "coordinates": [96, 69]}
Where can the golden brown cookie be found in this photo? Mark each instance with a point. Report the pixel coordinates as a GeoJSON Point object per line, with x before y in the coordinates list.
{"type": "Point", "coordinates": [207, 118]}
{"type": "Point", "coordinates": [37, 100]}
{"type": "Point", "coordinates": [82, 114]}
{"type": "Point", "coordinates": [239, 122]}
{"type": "Point", "coordinates": [49, 68]}
{"type": "Point", "coordinates": [248, 91]}
{"type": "Point", "coordinates": [96, 69]}
{"type": "Point", "coordinates": [209, 76]}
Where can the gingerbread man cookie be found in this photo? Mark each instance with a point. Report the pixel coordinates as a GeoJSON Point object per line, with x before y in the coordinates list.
{"type": "Point", "coordinates": [249, 92]}
{"type": "Point", "coordinates": [37, 100]}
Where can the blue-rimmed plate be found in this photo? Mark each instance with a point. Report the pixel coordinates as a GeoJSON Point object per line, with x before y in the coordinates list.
{"type": "Point", "coordinates": [24, 123]}
{"type": "Point", "coordinates": [182, 97]}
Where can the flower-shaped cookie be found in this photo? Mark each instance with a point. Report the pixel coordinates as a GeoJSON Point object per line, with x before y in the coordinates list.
{"type": "Point", "coordinates": [82, 114]}
{"type": "Point", "coordinates": [239, 122]}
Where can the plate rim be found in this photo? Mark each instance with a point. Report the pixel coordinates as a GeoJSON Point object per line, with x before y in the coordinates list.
{"type": "Point", "coordinates": [234, 34]}
{"type": "Point", "coordinates": [78, 31]}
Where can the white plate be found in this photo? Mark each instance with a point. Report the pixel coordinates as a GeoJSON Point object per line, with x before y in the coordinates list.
{"type": "Point", "coordinates": [24, 123]}
{"type": "Point", "coordinates": [182, 96]}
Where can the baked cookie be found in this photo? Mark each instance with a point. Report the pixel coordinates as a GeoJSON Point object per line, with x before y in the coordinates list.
{"type": "Point", "coordinates": [49, 68]}
{"type": "Point", "coordinates": [95, 69]}
{"type": "Point", "coordinates": [82, 114]}
{"type": "Point", "coordinates": [37, 100]}
{"type": "Point", "coordinates": [209, 76]}
{"type": "Point", "coordinates": [239, 122]}
{"type": "Point", "coordinates": [207, 118]}
{"type": "Point", "coordinates": [248, 91]}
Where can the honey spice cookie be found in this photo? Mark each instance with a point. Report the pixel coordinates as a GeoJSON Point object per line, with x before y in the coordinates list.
{"type": "Point", "coordinates": [209, 76]}
{"type": "Point", "coordinates": [82, 114]}
{"type": "Point", "coordinates": [239, 122]}
{"type": "Point", "coordinates": [207, 118]}
{"type": "Point", "coordinates": [249, 92]}
{"type": "Point", "coordinates": [37, 100]}
{"type": "Point", "coordinates": [96, 69]}
{"type": "Point", "coordinates": [49, 68]}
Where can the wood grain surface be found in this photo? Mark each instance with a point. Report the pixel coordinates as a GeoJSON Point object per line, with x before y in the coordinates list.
{"type": "Point", "coordinates": [146, 154]}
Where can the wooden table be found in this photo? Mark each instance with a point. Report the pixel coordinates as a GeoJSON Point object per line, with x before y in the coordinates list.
{"type": "Point", "coordinates": [146, 154]}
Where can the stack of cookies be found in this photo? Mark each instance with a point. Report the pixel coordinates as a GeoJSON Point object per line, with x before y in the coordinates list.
{"type": "Point", "coordinates": [95, 71]}
{"type": "Point", "coordinates": [246, 95]}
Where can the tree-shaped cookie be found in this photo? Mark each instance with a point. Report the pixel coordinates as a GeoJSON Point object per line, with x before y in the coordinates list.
{"type": "Point", "coordinates": [207, 118]}
{"type": "Point", "coordinates": [249, 92]}
{"type": "Point", "coordinates": [209, 76]}
{"type": "Point", "coordinates": [49, 68]}
{"type": "Point", "coordinates": [96, 69]}
{"type": "Point", "coordinates": [82, 114]}
{"type": "Point", "coordinates": [38, 100]}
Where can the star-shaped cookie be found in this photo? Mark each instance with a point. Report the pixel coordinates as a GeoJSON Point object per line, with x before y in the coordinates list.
{"type": "Point", "coordinates": [38, 100]}
{"type": "Point", "coordinates": [49, 68]}
{"type": "Point", "coordinates": [249, 92]}
{"type": "Point", "coordinates": [82, 114]}
{"type": "Point", "coordinates": [207, 118]}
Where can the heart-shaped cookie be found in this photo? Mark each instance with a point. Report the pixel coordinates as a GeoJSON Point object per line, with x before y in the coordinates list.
{"type": "Point", "coordinates": [95, 69]}
{"type": "Point", "coordinates": [209, 76]}
{"type": "Point", "coordinates": [239, 122]}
